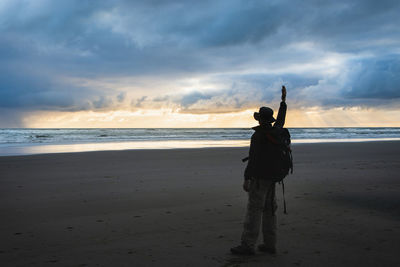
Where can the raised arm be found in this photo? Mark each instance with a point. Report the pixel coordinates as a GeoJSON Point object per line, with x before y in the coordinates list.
{"type": "Point", "coordinates": [280, 120]}
{"type": "Point", "coordinates": [283, 97]}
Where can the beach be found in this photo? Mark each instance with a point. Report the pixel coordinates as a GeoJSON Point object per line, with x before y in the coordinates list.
{"type": "Point", "coordinates": [185, 207]}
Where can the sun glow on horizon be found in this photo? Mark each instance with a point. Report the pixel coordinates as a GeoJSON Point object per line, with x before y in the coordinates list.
{"type": "Point", "coordinates": [166, 118]}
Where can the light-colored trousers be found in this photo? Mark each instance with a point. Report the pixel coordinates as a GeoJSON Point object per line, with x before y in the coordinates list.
{"type": "Point", "coordinates": [260, 210]}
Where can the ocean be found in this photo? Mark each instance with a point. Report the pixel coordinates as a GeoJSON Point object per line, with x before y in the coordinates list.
{"type": "Point", "coordinates": [34, 141]}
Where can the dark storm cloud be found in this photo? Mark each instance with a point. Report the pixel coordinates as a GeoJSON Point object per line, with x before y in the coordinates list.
{"type": "Point", "coordinates": [45, 45]}
{"type": "Point", "coordinates": [377, 79]}
{"type": "Point", "coordinates": [29, 90]}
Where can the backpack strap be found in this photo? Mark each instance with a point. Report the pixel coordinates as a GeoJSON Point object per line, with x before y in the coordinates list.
{"type": "Point", "coordinates": [271, 139]}
{"type": "Point", "coordinates": [284, 200]}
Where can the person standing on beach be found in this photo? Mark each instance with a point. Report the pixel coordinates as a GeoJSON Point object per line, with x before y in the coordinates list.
{"type": "Point", "coordinates": [261, 205]}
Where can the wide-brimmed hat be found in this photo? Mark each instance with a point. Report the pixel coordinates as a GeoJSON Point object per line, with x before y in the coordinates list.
{"type": "Point", "coordinates": [264, 114]}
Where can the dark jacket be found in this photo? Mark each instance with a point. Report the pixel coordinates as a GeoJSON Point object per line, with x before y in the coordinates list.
{"type": "Point", "coordinates": [260, 146]}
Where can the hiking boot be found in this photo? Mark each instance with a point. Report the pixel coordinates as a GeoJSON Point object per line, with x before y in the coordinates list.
{"type": "Point", "coordinates": [243, 250]}
{"type": "Point", "coordinates": [264, 248]}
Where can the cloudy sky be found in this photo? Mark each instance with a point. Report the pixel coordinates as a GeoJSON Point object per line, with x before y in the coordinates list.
{"type": "Point", "coordinates": [176, 63]}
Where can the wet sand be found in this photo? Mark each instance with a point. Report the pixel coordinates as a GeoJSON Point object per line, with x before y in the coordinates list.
{"type": "Point", "coordinates": [185, 207]}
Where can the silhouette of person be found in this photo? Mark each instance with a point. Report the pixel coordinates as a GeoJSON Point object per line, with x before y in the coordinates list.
{"type": "Point", "coordinates": [261, 205]}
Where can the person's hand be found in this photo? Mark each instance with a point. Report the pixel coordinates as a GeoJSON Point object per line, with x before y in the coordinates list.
{"type": "Point", "coordinates": [246, 185]}
{"type": "Point", "coordinates": [283, 93]}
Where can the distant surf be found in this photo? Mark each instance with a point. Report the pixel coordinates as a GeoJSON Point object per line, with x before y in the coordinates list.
{"type": "Point", "coordinates": [33, 141]}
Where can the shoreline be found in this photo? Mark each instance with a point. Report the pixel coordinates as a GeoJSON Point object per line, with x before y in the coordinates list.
{"type": "Point", "coordinates": [39, 149]}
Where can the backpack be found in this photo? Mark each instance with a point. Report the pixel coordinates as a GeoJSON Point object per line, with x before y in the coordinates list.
{"type": "Point", "coordinates": [281, 157]}
{"type": "Point", "coordinates": [280, 154]}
